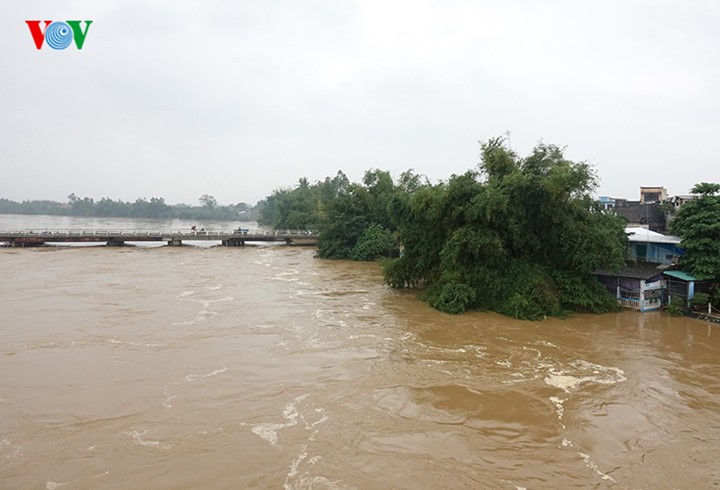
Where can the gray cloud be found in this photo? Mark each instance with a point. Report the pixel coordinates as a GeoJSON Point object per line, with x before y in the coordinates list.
{"type": "Point", "coordinates": [234, 99]}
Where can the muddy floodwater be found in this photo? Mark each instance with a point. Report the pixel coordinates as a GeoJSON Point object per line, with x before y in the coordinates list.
{"type": "Point", "coordinates": [263, 367]}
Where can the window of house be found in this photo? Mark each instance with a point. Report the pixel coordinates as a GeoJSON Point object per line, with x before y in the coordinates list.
{"type": "Point", "coordinates": [641, 250]}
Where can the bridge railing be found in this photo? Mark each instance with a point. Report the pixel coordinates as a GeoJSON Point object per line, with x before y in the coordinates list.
{"type": "Point", "coordinates": [81, 233]}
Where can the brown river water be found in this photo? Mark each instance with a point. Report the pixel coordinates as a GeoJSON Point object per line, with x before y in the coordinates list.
{"type": "Point", "coordinates": [263, 367]}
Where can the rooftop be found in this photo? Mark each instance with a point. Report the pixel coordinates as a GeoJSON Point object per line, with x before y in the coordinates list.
{"type": "Point", "coordinates": [635, 271]}
{"type": "Point", "coordinates": [680, 275]}
{"type": "Point", "coordinates": [638, 234]}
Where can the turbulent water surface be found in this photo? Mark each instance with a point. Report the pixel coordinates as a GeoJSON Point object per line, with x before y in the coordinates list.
{"type": "Point", "coordinates": [263, 367]}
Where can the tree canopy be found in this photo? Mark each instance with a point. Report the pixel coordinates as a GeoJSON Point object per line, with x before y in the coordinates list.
{"type": "Point", "coordinates": [353, 218]}
{"type": "Point", "coordinates": [697, 222]}
{"type": "Point", "coordinates": [518, 236]}
{"type": "Point", "coordinates": [302, 207]}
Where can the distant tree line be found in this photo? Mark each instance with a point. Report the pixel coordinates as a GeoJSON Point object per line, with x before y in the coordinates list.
{"type": "Point", "coordinates": [155, 207]}
{"type": "Point", "coordinates": [520, 236]}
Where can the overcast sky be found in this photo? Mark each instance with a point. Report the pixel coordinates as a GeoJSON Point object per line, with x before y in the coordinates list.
{"type": "Point", "coordinates": [177, 99]}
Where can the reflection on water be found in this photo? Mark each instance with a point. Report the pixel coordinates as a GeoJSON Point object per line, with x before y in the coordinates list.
{"type": "Point", "coordinates": [261, 367]}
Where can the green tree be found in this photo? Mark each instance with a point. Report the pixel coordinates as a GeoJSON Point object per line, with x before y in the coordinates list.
{"type": "Point", "coordinates": [375, 242]}
{"type": "Point", "coordinates": [208, 201]}
{"type": "Point", "coordinates": [304, 206]}
{"type": "Point", "coordinates": [346, 218]}
{"type": "Point", "coordinates": [698, 224]}
{"type": "Point", "coordinates": [81, 207]}
{"type": "Point", "coordinates": [380, 187]}
{"type": "Point", "coordinates": [518, 236]}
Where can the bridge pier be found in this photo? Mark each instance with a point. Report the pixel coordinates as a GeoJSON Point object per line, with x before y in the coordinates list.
{"type": "Point", "coordinates": [25, 243]}
{"type": "Point", "coordinates": [175, 242]}
{"type": "Point", "coordinates": [233, 242]}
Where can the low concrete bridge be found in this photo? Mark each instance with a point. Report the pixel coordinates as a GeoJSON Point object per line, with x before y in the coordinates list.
{"type": "Point", "coordinates": [234, 238]}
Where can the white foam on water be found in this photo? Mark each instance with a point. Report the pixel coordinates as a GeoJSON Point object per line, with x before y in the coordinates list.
{"type": "Point", "coordinates": [479, 350]}
{"type": "Point", "coordinates": [319, 421]}
{"type": "Point", "coordinates": [296, 462]}
{"type": "Point", "coordinates": [194, 377]}
{"type": "Point", "coordinates": [537, 352]}
{"type": "Point", "coordinates": [167, 402]}
{"type": "Point", "coordinates": [583, 372]}
{"type": "Point", "coordinates": [607, 375]}
{"type": "Point", "coordinates": [211, 301]}
{"type": "Point", "coordinates": [268, 431]}
{"type": "Point", "coordinates": [578, 373]}
{"type": "Point", "coordinates": [288, 276]}
{"type": "Point", "coordinates": [560, 409]}
{"type": "Point", "coordinates": [284, 278]}
{"type": "Point", "coordinates": [547, 344]}
{"type": "Point", "coordinates": [504, 363]}
{"type": "Point", "coordinates": [117, 341]}
{"type": "Point", "coordinates": [52, 485]}
{"type": "Point", "coordinates": [564, 382]}
{"type": "Point", "coordinates": [590, 464]}
{"type": "Point", "coordinates": [138, 438]}
{"type": "Point", "coordinates": [10, 450]}
{"type": "Point", "coordinates": [320, 482]}
{"type": "Point", "coordinates": [315, 341]}
{"type": "Point", "coordinates": [184, 294]}
{"type": "Point", "coordinates": [204, 310]}
{"type": "Point", "coordinates": [369, 305]}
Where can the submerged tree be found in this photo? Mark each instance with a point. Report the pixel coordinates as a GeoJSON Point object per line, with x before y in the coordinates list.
{"type": "Point", "coordinates": [519, 236]}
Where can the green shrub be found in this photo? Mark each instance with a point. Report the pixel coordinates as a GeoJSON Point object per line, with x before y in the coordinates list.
{"type": "Point", "coordinates": [452, 298]}
{"type": "Point", "coordinates": [374, 243]}
{"type": "Point", "coordinates": [700, 300]}
{"type": "Point", "coordinates": [675, 307]}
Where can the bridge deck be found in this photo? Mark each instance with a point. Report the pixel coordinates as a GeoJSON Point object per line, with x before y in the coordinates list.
{"type": "Point", "coordinates": [174, 237]}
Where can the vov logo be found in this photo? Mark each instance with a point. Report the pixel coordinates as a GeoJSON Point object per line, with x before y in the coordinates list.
{"type": "Point", "coordinates": [58, 35]}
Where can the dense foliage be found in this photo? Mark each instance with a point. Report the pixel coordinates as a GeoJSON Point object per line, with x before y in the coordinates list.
{"type": "Point", "coordinates": [520, 236]}
{"type": "Point", "coordinates": [352, 218]}
{"type": "Point", "coordinates": [140, 208]}
{"type": "Point", "coordinates": [376, 242]}
{"type": "Point", "coordinates": [302, 207]}
{"type": "Point", "coordinates": [697, 222]}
